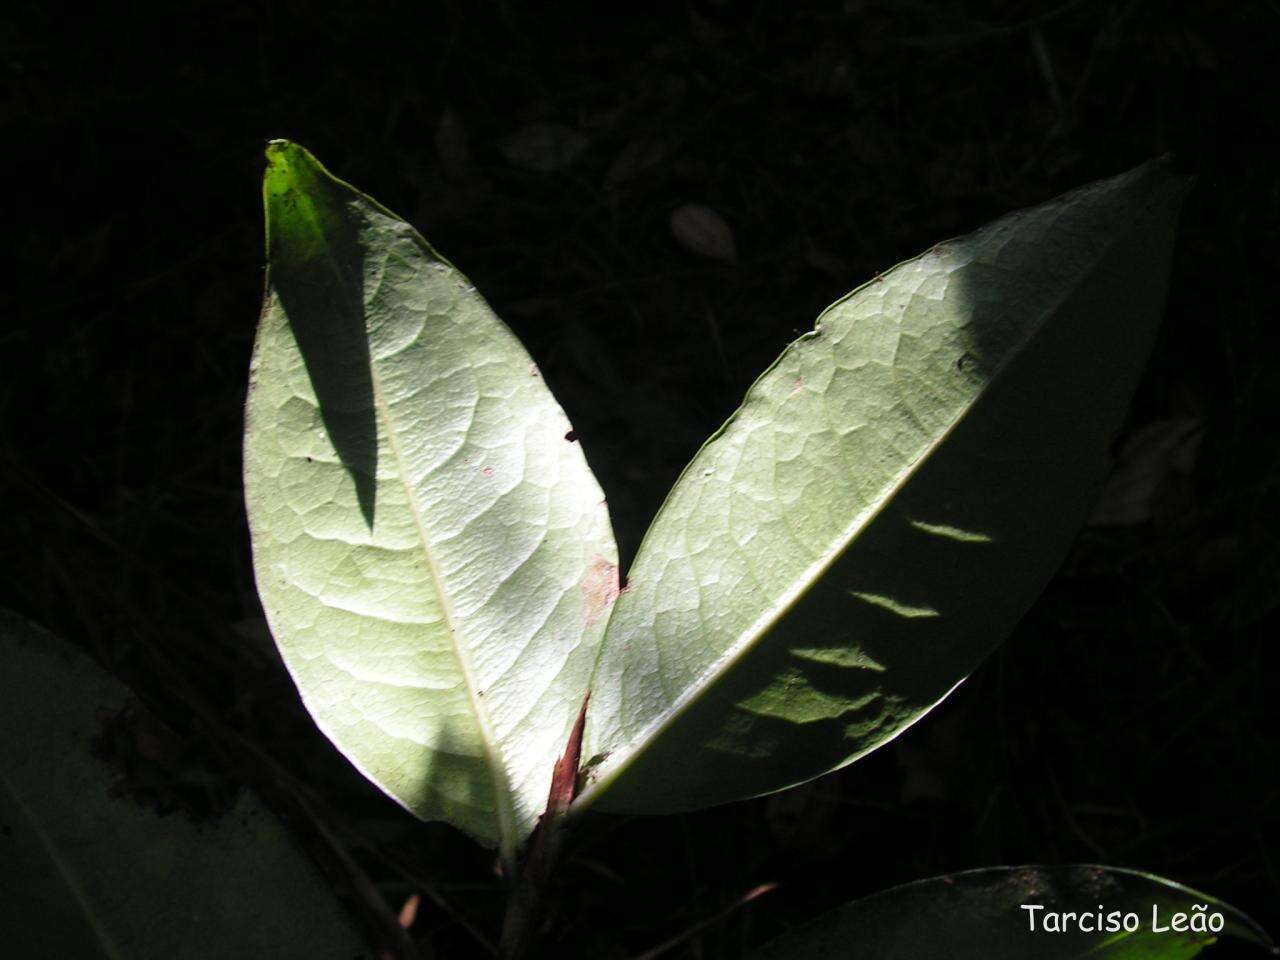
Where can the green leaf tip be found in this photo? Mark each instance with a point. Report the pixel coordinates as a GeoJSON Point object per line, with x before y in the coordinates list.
{"type": "Point", "coordinates": [292, 165]}
{"type": "Point", "coordinates": [302, 202]}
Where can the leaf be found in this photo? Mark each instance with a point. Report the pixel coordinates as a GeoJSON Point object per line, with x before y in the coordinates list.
{"type": "Point", "coordinates": [703, 232]}
{"type": "Point", "coordinates": [432, 552]}
{"type": "Point", "coordinates": [979, 915]}
{"type": "Point", "coordinates": [891, 496]}
{"type": "Point", "coordinates": [90, 874]}
{"type": "Point", "coordinates": [1153, 472]}
{"type": "Point", "coordinates": [544, 147]}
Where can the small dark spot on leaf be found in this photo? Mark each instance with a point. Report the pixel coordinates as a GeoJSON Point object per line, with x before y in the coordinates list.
{"type": "Point", "coordinates": [311, 459]}
{"type": "Point", "coordinates": [571, 436]}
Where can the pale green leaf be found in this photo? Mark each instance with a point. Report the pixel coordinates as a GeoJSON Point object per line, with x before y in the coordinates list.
{"type": "Point", "coordinates": [432, 552]}
{"type": "Point", "coordinates": [88, 872]}
{"type": "Point", "coordinates": [891, 496]}
{"type": "Point", "coordinates": [980, 915]}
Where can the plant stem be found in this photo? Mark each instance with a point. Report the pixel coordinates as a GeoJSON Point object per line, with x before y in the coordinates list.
{"type": "Point", "coordinates": [524, 909]}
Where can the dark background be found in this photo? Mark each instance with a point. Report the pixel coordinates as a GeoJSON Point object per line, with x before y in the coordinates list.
{"type": "Point", "coordinates": [544, 149]}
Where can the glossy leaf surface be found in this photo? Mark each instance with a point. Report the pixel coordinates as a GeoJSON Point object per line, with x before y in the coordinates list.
{"type": "Point", "coordinates": [980, 915]}
{"type": "Point", "coordinates": [88, 872]}
{"type": "Point", "coordinates": [432, 552]}
{"type": "Point", "coordinates": [892, 495]}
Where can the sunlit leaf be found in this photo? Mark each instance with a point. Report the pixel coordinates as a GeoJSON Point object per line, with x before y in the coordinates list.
{"type": "Point", "coordinates": [432, 552]}
{"type": "Point", "coordinates": [891, 496]}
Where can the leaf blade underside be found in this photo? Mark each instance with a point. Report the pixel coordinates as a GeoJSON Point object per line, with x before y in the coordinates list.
{"type": "Point", "coordinates": [892, 494]}
{"type": "Point", "coordinates": [432, 551]}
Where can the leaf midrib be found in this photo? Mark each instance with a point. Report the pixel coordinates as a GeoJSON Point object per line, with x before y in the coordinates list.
{"type": "Point", "coordinates": [78, 893]}
{"type": "Point", "coordinates": [492, 756]}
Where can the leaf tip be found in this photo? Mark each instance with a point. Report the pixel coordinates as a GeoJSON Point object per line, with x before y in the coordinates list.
{"type": "Point", "coordinates": [277, 147]}
{"type": "Point", "coordinates": [300, 200]}
{"type": "Point", "coordinates": [289, 165]}
{"type": "Point", "coordinates": [1176, 170]}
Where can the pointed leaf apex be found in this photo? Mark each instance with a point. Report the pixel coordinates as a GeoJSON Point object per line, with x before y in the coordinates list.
{"type": "Point", "coordinates": [302, 201]}
{"type": "Point", "coordinates": [289, 159]}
